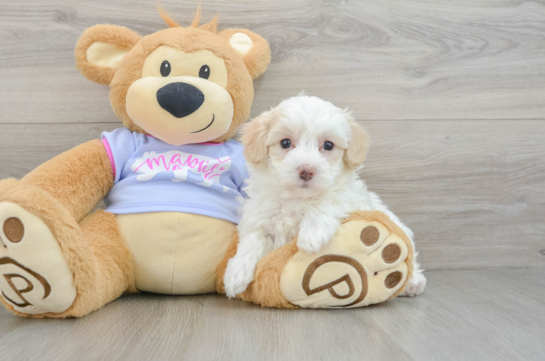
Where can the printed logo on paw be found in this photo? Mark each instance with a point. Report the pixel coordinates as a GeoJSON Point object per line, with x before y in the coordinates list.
{"type": "Point", "coordinates": [20, 280]}
{"type": "Point", "coordinates": [361, 284]}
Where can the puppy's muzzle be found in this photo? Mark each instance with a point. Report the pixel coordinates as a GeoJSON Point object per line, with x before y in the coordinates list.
{"type": "Point", "coordinates": [180, 99]}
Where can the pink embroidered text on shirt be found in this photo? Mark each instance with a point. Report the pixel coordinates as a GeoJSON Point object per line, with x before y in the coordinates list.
{"type": "Point", "coordinates": [180, 163]}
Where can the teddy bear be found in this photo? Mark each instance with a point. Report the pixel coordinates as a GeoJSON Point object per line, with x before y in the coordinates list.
{"type": "Point", "coordinates": [172, 180]}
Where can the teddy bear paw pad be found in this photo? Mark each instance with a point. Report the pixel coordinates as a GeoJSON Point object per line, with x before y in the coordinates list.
{"type": "Point", "coordinates": [34, 276]}
{"type": "Point", "coordinates": [365, 263]}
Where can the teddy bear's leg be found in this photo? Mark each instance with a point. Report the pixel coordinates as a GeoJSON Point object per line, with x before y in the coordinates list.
{"type": "Point", "coordinates": [78, 179]}
{"type": "Point", "coordinates": [368, 261]}
{"type": "Point", "coordinates": [51, 266]}
{"type": "Point", "coordinates": [265, 289]}
{"type": "Point", "coordinates": [112, 262]}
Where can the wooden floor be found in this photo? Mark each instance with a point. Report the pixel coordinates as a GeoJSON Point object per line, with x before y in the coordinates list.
{"type": "Point", "coordinates": [464, 315]}
{"type": "Point", "coordinates": [453, 94]}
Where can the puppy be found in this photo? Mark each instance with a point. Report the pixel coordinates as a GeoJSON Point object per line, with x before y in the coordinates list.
{"type": "Point", "coordinates": [303, 158]}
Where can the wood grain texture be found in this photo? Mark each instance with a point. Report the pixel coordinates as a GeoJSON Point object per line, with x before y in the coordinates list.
{"type": "Point", "coordinates": [473, 192]}
{"type": "Point", "coordinates": [418, 59]}
{"type": "Point", "coordinates": [464, 315]}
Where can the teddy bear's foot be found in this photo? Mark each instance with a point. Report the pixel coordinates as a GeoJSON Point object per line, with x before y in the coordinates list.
{"type": "Point", "coordinates": [34, 276]}
{"type": "Point", "coordinates": [365, 263]}
{"type": "Point", "coordinates": [368, 261]}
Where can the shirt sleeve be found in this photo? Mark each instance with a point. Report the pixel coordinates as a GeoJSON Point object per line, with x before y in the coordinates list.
{"type": "Point", "coordinates": [244, 182]}
{"type": "Point", "coordinates": [120, 146]}
{"type": "Point", "coordinates": [245, 174]}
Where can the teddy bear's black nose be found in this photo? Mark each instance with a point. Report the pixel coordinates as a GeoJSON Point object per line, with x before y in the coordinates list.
{"type": "Point", "coordinates": [180, 99]}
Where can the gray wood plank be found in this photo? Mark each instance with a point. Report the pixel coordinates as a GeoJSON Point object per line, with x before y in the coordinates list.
{"type": "Point", "coordinates": [463, 315]}
{"type": "Point", "coordinates": [473, 192]}
{"type": "Point", "coordinates": [418, 59]}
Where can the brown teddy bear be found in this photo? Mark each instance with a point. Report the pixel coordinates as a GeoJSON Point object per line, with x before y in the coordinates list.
{"type": "Point", "coordinates": [172, 181]}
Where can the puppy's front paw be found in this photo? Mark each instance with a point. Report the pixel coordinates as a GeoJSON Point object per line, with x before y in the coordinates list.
{"type": "Point", "coordinates": [312, 238]}
{"type": "Point", "coordinates": [237, 277]}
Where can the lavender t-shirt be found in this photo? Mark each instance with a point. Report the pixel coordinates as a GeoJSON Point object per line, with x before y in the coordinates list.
{"type": "Point", "coordinates": [153, 176]}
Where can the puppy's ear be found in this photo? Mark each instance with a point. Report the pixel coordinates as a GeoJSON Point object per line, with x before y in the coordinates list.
{"type": "Point", "coordinates": [253, 48]}
{"type": "Point", "coordinates": [356, 152]}
{"type": "Point", "coordinates": [101, 48]}
{"type": "Point", "coordinates": [254, 137]}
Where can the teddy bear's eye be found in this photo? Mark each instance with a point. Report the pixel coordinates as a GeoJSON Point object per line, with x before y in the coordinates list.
{"type": "Point", "coordinates": [165, 68]}
{"type": "Point", "coordinates": [204, 72]}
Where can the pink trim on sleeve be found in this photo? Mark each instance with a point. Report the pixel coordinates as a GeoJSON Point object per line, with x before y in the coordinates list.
{"type": "Point", "coordinates": [109, 152]}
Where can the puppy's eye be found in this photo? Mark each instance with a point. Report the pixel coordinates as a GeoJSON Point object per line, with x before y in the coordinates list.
{"type": "Point", "coordinates": [204, 72]}
{"type": "Point", "coordinates": [165, 68]}
{"type": "Point", "coordinates": [285, 143]}
{"type": "Point", "coordinates": [328, 145]}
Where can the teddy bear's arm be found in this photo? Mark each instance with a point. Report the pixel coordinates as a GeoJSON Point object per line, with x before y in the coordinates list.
{"type": "Point", "coordinates": [78, 178]}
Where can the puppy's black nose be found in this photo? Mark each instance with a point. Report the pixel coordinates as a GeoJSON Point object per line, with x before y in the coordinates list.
{"type": "Point", "coordinates": [306, 175]}
{"type": "Point", "coordinates": [180, 99]}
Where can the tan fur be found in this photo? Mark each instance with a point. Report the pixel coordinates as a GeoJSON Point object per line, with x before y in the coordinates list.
{"type": "Point", "coordinates": [78, 178]}
{"type": "Point", "coordinates": [356, 153]}
{"type": "Point", "coordinates": [195, 251]}
{"type": "Point", "coordinates": [111, 34]}
{"type": "Point", "coordinates": [96, 254]}
{"type": "Point", "coordinates": [258, 58]}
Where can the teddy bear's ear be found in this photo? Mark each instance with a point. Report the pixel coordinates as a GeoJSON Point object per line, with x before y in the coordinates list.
{"type": "Point", "coordinates": [101, 48]}
{"type": "Point", "coordinates": [253, 48]}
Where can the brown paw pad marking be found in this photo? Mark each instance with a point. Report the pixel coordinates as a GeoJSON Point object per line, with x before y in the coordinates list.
{"type": "Point", "coordinates": [369, 235]}
{"type": "Point", "coordinates": [393, 279]}
{"type": "Point", "coordinates": [14, 229]}
{"type": "Point", "coordinates": [391, 253]}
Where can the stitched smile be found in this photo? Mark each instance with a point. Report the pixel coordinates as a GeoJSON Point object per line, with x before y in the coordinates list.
{"type": "Point", "coordinates": [213, 116]}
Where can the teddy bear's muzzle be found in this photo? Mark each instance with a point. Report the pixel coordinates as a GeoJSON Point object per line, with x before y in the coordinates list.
{"type": "Point", "coordinates": [180, 99]}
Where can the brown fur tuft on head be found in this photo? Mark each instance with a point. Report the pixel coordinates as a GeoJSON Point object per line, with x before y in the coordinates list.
{"type": "Point", "coordinates": [166, 18]}
{"type": "Point", "coordinates": [212, 26]}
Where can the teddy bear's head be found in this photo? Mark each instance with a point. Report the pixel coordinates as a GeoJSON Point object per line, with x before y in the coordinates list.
{"type": "Point", "coordinates": [180, 85]}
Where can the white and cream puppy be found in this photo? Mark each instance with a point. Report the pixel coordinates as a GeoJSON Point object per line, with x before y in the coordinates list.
{"type": "Point", "coordinates": [303, 158]}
